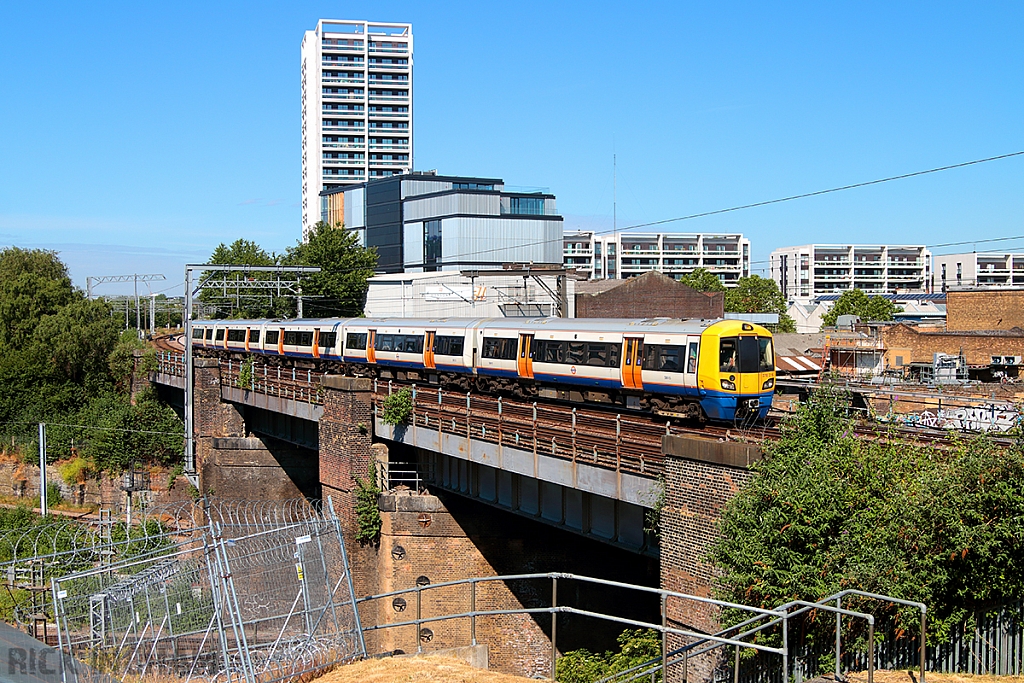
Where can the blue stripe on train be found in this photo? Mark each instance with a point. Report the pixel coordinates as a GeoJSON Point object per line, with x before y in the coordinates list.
{"type": "Point", "coordinates": [720, 405]}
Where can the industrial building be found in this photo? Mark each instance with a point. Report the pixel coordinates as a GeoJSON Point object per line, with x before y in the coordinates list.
{"type": "Point", "coordinates": [646, 295]}
{"type": "Point", "coordinates": [356, 82]}
{"type": "Point", "coordinates": [806, 272]}
{"type": "Point", "coordinates": [978, 270]}
{"type": "Point", "coordinates": [424, 222]}
{"type": "Point", "coordinates": [621, 255]}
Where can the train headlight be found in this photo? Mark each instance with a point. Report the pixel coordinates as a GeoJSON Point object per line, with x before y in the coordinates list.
{"type": "Point", "coordinates": [726, 384]}
{"type": "Point", "coordinates": [768, 383]}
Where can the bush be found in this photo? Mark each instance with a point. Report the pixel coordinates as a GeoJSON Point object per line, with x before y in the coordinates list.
{"type": "Point", "coordinates": [397, 407]}
{"type": "Point", "coordinates": [368, 519]}
{"type": "Point", "coordinates": [75, 471]}
{"type": "Point", "coordinates": [246, 374]}
{"type": "Point", "coordinates": [636, 646]}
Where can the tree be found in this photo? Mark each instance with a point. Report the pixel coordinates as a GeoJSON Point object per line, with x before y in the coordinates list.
{"type": "Point", "coordinates": [33, 283]}
{"type": "Point", "coordinates": [756, 294]}
{"type": "Point", "coordinates": [240, 301]}
{"type": "Point", "coordinates": [868, 309]}
{"type": "Point", "coordinates": [703, 280]}
{"type": "Point", "coordinates": [345, 267]}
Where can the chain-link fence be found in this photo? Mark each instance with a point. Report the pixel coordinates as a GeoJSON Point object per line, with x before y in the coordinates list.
{"type": "Point", "coordinates": [259, 595]}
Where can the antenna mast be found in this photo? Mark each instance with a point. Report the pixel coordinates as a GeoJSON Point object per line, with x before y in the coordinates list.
{"type": "Point", "coordinates": [615, 193]}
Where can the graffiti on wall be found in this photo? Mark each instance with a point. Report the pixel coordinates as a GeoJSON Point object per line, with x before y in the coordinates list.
{"type": "Point", "coordinates": [995, 417]}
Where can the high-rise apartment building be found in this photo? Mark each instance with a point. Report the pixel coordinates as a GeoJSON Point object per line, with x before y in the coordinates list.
{"type": "Point", "coordinates": [986, 269]}
{"type": "Point", "coordinates": [356, 107]}
{"type": "Point", "coordinates": [625, 254]}
{"type": "Point", "coordinates": [806, 272]}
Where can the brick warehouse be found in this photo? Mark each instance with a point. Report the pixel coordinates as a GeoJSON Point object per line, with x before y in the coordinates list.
{"type": "Point", "coordinates": [905, 344]}
{"type": "Point", "coordinates": [984, 309]}
{"type": "Point", "coordinates": [649, 295]}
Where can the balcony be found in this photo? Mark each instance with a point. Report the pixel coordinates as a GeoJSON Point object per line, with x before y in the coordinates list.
{"type": "Point", "coordinates": [378, 65]}
{"type": "Point", "coordinates": [389, 162]}
{"type": "Point", "coordinates": [343, 162]}
{"type": "Point", "coordinates": [332, 79]}
{"type": "Point", "coordinates": [905, 264]}
{"type": "Point", "coordinates": [389, 98]}
{"type": "Point", "coordinates": [832, 278]}
{"type": "Point", "coordinates": [348, 125]}
{"type": "Point", "coordinates": [341, 97]}
{"type": "Point", "coordinates": [389, 114]}
{"type": "Point", "coordinates": [343, 145]}
{"type": "Point", "coordinates": [343, 63]}
{"type": "Point", "coordinates": [389, 50]}
{"type": "Point", "coordinates": [833, 264]}
{"type": "Point", "coordinates": [711, 252]}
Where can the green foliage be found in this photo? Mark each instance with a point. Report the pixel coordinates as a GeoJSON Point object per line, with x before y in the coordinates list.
{"type": "Point", "coordinates": [173, 475]}
{"type": "Point", "coordinates": [236, 301]}
{"type": "Point", "coordinates": [636, 646]}
{"type": "Point", "coordinates": [368, 520]}
{"type": "Point", "coordinates": [703, 280]}
{"type": "Point", "coordinates": [397, 407]}
{"type": "Point", "coordinates": [652, 518]}
{"type": "Point", "coordinates": [75, 471]}
{"type": "Point", "coordinates": [53, 495]}
{"type": "Point", "coordinates": [341, 284]}
{"type": "Point", "coordinates": [121, 360]}
{"type": "Point", "coordinates": [856, 302]}
{"type": "Point", "coordinates": [756, 294]}
{"type": "Point", "coordinates": [33, 284]}
{"type": "Point", "coordinates": [246, 374]}
{"type": "Point", "coordinates": [827, 511]}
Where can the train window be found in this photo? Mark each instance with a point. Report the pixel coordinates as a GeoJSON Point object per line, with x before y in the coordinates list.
{"type": "Point", "coordinates": [296, 338]}
{"type": "Point", "coordinates": [402, 343]}
{"type": "Point", "coordinates": [197, 333]}
{"type": "Point", "coordinates": [500, 348]}
{"type": "Point", "coordinates": [664, 357]}
{"type": "Point", "coordinates": [767, 354]}
{"type": "Point", "coordinates": [385, 342]}
{"type": "Point", "coordinates": [749, 354]}
{"type": "Point", "coordinates": [548, 351]}
{"type": "Point", "coordinates": [209, 334]}
{"type": "Point", "coordinates": [236, 335]}
{"type": "Point", "coordinates": [728, 354]}
{"type": "Point", "coordinates": [254, 336]}
{"type": "Point", "coordinates": [413, 344]}
{"type": "Point", "coordinates": [328, 339]}
{"type": "Point", "coordinates": [449, 346]}
{"type": "Point", "coordinates": [577, 354]}
{"type": "Point", "coordinates": [355, 340]}
{"type": "Point", "coordinates": [272, 337]}
{"type": "Point", "coordinates": [220, 335]}
{"type": "Point", "coordinates": [691, 359]}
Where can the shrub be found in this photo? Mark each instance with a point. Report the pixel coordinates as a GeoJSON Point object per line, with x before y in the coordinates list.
{"type": "Point", "coordinates": [397, 408]}
{"type": "Point", "coordinates": [75, 471]}
{"type": "Point", "coordinates": [368, 519]}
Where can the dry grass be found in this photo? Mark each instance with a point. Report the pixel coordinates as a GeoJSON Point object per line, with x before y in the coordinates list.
{"type": "Point", "coordinates": [912, 677]}
{"type": "Point", "coordinates": [427, 668]}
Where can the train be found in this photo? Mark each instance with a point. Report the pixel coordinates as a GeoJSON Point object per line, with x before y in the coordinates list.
{"type": "Point", "coordinates": [718, 370]}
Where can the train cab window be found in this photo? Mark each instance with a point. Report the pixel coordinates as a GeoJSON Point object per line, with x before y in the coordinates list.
{"type": "Point", "coordinates": [691, 358]}
{"type": "Point", "coordinates": [272, 337]}
{"type": "Point", "coordinates": [449, 346]}
{"type": "Point", "coordinates": [236, 335]}
{"type": "Point", "coordinates": [766, 355]}
{"type": "Point", "coordinates": [728, 355]}
{"type": "Point", "coordinates": [254, 336]}
{"type": "Point", "coordinates": [749, 354]}
{"type": "Point", "coordinates": [664, 357]}
{"type": "Point", "coordinates": [220, 335]}
{"type": "Point", "coordinates": [197, 333]}
{"type": "Point", "coordinates": [296, 338]}
{"type": "Point", "coordinates": [500, 348]}
{"type": "Point", "coordinates": [356, 340]}
{"type": "Point", "coordinates": [328, 339]}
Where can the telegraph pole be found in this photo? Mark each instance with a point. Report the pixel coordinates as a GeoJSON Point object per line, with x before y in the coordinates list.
{"type": "Point", "coordinates": [42, 469]}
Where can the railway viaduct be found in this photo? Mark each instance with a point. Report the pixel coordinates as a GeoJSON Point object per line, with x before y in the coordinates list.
{"type": "Point", "coordinates": [515, 487]}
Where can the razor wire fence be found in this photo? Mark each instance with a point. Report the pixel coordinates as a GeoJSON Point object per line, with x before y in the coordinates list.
{"type": "Point", "coordinates": [262, 593]}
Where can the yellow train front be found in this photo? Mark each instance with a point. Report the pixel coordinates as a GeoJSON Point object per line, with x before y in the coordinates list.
{"type": "Point", "coordinates": [736, 373]}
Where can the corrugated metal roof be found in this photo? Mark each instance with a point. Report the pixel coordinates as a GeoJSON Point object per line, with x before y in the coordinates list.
{"type": "Point", "coordinates": [796, 364]}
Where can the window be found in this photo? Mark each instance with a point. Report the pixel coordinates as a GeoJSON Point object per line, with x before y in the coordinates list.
{"type": "Point", "coordinates": [272, 337]}
{"type": "Point", "coordinates": [431, 245]}
{"type": "Point", "coordinates": [449, 346]}
{"type": "Point", "coordinates": [728, 351]}
{"type": "Point", "coordinates": [209, 334]}
{"type": "Point", "coordinates": [328, 340]}
{"type": "Point", "coordinates": [691, 359]}
{"type": "Point", "coordinates": [220, 335]}
{"type": "Point", "coordinates": [530, 206]}
{"type": "Point", "coordinates": [749, 354]}
{"type": "Point", "coordinates": [295, 338]}
{"type": "Point", "coordinates": [766, 355]}
{"type": "Point", "coordinates": [356, 340]}
{"type": "Point", "coordinates": [236, 335]}
{"type": "Point", "coordinates": [549, 351]}
{"type": "Point", "coordinates": [254, 336]}
{"type": "Point", "coordinates": [899, 361]}
{"type": "Point", "coordinates": [664, 357]}
{"type": "Point", "coordinates": [500, 348]}
{"type": "Point", "coordinates": [603, 355]}
{"type": "Point", "coordinates": [597, 354]}
{"type": "Point", "coordinates": [197, 333]}
{"type": "Point", "coordinates": [401, 343]}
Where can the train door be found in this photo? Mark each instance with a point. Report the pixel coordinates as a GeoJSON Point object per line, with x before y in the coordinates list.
{"type": "Point", "coordinates": [316, 342]}
{"type": "Point", "coordinates": [526, 356]}
{"type": "Point", "coordinates": [280, 341]}
{"type": "Point", "coordinates": [428, 350]}
{"type": "Point", "coordinates": [371, 351]}
{"type": "Point", "coordinates": [632, 362]}
{"type": "Point", "coordinates": [247, 331]}
{"type": "Point", "coordinates": [749, 379]}
{"type": "Point", "coordinates": [690, 369]}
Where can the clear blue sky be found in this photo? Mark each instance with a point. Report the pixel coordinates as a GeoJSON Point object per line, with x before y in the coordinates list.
{"type": "Point", "coordinates": [135, 137]}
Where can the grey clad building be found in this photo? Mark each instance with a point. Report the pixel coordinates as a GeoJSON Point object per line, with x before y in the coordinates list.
{"type": "Point", "coordinates": [422, 222]}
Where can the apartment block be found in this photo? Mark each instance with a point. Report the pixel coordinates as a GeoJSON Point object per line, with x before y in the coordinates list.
{"type": "Point", "coordinates": [356, 79]}
{"type": "Point", "coordinates": [978, 270]}
{"type": "Point", "coordinates": [424, 222]}
{"type": "Point", "coordinates": [626, 254]}
{"type": "Point", "coordinates": [806, 272]}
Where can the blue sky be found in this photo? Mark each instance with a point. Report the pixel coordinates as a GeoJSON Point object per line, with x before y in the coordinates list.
{"type": "Point", "coordinates": [134, 137]}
